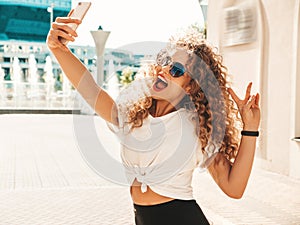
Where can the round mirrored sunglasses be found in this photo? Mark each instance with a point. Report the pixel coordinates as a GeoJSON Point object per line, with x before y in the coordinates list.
{"type": "Point", "coordinates": [176, 68]}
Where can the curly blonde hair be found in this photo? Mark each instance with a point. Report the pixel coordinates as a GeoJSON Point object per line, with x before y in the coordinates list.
{"type": "Point", "coordinates": [217, 116]}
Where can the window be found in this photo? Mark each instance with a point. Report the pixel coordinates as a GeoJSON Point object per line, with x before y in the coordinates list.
{"type": "Point", "coordinates": [23, 60]}
{"type": "Point", "coordinates": [6, 59]}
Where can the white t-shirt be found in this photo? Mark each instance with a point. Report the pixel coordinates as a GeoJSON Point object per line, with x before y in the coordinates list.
{"type": "Point", "coordinates": [162, 154]}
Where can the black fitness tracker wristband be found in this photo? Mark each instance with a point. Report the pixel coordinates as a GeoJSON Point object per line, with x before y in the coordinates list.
{"type": "Point", "coordinates": [250, 133]}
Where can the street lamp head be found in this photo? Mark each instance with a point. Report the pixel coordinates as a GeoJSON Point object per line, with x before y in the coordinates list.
{"type": "Point", "coordinates": [203, 2]}
{"type": "Point", "coordinates": [50, 8]}
{"type": "Point", "coordinates": [203, 5]}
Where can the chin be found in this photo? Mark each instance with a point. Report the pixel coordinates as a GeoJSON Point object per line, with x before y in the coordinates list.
{"type": "Point", "coordinates": [158, 95]}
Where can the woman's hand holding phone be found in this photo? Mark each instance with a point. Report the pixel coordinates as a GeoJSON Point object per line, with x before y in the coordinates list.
{"type": "Point", "coordinates": [63, 29]}
{"type": "Point", "coordinates": [60, 30]}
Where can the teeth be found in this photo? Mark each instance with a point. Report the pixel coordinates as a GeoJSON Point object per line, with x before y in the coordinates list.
{"type": "Point", "coordinates": [162, 79]}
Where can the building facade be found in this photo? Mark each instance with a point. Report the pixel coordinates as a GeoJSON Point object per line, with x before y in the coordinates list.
{"type": "Point", "coordinates": [29, 20]}
{"type": "Point", "coordinates": [260, 42]}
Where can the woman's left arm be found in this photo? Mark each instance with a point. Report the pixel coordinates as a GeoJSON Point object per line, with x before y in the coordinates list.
{"type": "Point", "coordinates": [232, 179]}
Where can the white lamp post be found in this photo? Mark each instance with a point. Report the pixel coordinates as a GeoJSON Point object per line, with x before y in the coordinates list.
{"type": "Point", "coordinates": [50, 10]}
{"type": "Point", "coordinates": [100, 38]}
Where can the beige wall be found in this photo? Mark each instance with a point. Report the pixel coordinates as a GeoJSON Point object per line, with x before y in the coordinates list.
{"type": "Point", "coordinates": [272, 62]}
{"type": "Point", "coordinates": [295, 146]}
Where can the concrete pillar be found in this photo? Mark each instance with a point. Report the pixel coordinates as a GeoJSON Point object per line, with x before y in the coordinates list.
{"type": "Point", "coordinates": [100, 38]}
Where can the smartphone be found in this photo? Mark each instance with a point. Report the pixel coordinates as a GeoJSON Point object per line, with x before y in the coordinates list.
{"type": "Point", "coordinates": [78, 12]}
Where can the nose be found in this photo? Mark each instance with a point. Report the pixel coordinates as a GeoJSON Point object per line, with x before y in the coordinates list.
{"type": "Point", "coordinates": [158, 68]}
{"type": "Point", "coordinates": [165, 69]}
{"type": "Point", "coordinates": [162, 70]}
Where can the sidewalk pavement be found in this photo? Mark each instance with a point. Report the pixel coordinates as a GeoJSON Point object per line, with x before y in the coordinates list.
{"type": "Point", "coordinates": [44, 180]}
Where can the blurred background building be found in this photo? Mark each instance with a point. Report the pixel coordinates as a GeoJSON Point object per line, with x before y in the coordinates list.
{"type": "Point", "coordinates": [29, 19]}
{"type": "Point", "coordinates": [30, 77]}
{"type": "Point", "coordinates": [260, 42]}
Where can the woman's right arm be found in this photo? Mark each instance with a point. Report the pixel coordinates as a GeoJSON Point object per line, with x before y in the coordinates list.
{"type": "Point", "coordinates": [76, 71]}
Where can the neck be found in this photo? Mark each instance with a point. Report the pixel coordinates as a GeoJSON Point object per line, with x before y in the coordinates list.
{"type": "Point", "coordinates": [162, 108]}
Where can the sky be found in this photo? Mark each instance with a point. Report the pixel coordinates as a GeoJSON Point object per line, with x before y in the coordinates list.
{"type": "Point", "coordinates": [133, 21]}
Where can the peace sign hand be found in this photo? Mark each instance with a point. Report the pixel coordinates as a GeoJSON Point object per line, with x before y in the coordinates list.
{"type": "Point", "coordinates": [248, 108]}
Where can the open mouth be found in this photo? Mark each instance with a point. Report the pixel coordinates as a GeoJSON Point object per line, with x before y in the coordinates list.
{"type": "Point", "coordinates": [160, 83]}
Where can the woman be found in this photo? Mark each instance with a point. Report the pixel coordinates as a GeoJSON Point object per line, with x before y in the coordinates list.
{"type": "Point", "coordinates": [185, 120]}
